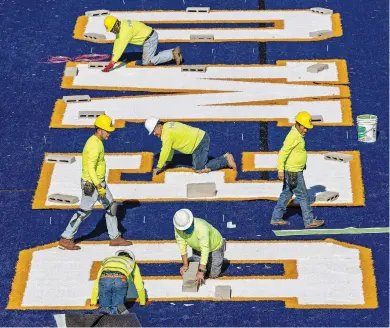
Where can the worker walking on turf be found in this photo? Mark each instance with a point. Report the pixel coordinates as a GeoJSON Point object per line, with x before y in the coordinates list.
{"type": "Point", "coordinates": [94, 187]}
{"type": "Point", "coordinates": [208, 246]}
{"type": "Point", "coordinates": [187, 140]}
{"type": "Point", "coordinates": [137, 33]}
{"type": "Point", "coordinates": [291, 163]}
{"type": "Point", "coordinates": [113, 280]}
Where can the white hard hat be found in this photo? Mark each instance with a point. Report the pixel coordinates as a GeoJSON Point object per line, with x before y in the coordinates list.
{"type": "Point", "coordinates": [183, 219]}
{"type": "Point", "coordinates": [131, 254]}
{"type": "Point", "coordinates": [151, 123]}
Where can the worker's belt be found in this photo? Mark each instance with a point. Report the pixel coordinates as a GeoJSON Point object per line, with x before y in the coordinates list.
{"type": "Point", "coordinates": [149, 36]}
{"type": "Point", "coordinates": [113, 274]}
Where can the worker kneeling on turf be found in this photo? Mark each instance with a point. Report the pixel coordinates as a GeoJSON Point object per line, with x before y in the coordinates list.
{"type": "Point", "coordinates": [208, 246]}
{"type": "Point", "coordinates": [291, 163]}
{"type": "Point", "coordinates": [112, 282]}
{"type": "Point", "coordinates": [187, 140]}
{"type": "Point", "coordinates": [137, 33]}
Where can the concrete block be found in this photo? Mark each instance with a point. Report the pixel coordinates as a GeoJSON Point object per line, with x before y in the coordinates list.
{"type": "Point", "coordinates": [327, 196]}
{"type": "Point", "coordinates": [94, 13]}
{"type": "Point", "coordinates": [71, 71]}
{"type": "Point", "coordinates": [193, 68]}
{"type": "Point", "coordinates": [322, 11]}
{"type": "Point", "coordinates": [60, 159]}
{"type": "Point", "coordinates": [202, 37]}
{"type": "Point", "coordinates": [198, 9]}
{"type": "Point", "coordinates": [317, 34]}
{"type": "Point", "coordinates": [99, 65]}
{"type": "Point", "coordinates": [189, 278]}
{"type": "Point", "coordinates": [223, 292]}
{"type": "Point", "coordinates": [94, 36]}
{"type": "Point", "coordinates": [76, 99]}
{"type": "Point", "coordinates": [63, 199]}
{"type": "Point", "coordinates": [339, 157]}
{"type": "Point", "coordinates": [90, 114]}
{"type": "Point", "coordinates": [316, 68]}
{"type": "Point", "coordinates": [317, 118]}
{"type": "Point", "coordinates": [230, 225]}
{"type": "Point", "coordinates": [198, 190]}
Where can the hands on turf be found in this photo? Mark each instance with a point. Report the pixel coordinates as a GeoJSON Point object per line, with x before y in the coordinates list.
{"type": "Point", "coordinates": [108, 67]}
{"type": "Point", "coordinates": [156, 171]}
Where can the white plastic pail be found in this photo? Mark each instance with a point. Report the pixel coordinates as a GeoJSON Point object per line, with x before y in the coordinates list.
{"type": "Point", "coordinates": [367, 127]}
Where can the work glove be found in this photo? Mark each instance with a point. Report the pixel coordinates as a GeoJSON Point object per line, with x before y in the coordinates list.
{"type": "Point", "coordinates": [102, 192]}
{"type": "Point", "coordinates": [108, 67]}
{"type": "Point", "coordinates": [146, 304]}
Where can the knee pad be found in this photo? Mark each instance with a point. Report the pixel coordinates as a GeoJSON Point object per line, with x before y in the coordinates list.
{"type": "Point", "coordinates": [112, 208]}
{"type": "Point", "coordinates": [80, 214]}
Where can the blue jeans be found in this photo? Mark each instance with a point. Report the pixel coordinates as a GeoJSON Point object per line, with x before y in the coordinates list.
{"type": "Point", "coordinates": [301, 196]}
{"type": "Point", "coordinates": [200, 157]}
{"type": "Point", "coordinates": [112, 292]}
{"type": "Point", "coordinates": [149, 54]}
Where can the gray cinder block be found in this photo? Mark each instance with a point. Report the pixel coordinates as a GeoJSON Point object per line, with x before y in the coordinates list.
{"type": "Point", "coordinates": [316, 68]}
{"type": "Point", "coordinates": [316, 34]}
{"type": "Point", "coordinates": [90, 114]}
{"type": "Point", "coordinates": [198, 9]}
{"type": "Point", "coordinates": [193, 68]}
{"type": "Point", "coordinates": [327, 196]}
{"type": "Point", "coordinates": [97, 64]}
{"type": "Point", "coordinates": [94, 13]}
{"type": "Point", "coordinates": [223, 292]}
{"type": "Point", "coordinates": [202, 37]}
{"type": "Point", "coordinates": [94, 36]}
{"type": "Point", "coordinates": [322, 11]}
{"type": "Point", "coordinates": [60, 159]}
{"type": "Point", "coordinates": [317, 118]}
{"type": "Point", "coordinates": [339, 157]}
{"type": "Point", "coordinates": [71, 71]}
{"type": "Point", "coordinates": [189, 278]}
{"type": "Point", "coordinates": [198, 190]}
{"type": "Point", "coordinates": [63, 199]}
{"type": "Point", "coordinates": [75, 99]}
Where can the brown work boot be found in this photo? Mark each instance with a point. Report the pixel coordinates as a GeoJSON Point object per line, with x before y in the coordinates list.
{"type": "Point", "coordinates": [231, 162]}
{"type": "Point", "coordinates": [119, 241]}
{"type": "Point", "coordinates": [315, 224]}
{"type": "Point", "coordinates": [68, 244]}
{"type": "Point", "coordinates": [177, 56]}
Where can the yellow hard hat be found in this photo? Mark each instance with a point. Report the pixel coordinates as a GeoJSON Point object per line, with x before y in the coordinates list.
{"type": "Point", "coordinates": [109, 22]}
{"type": "Point", "coordinates": [104, 122]}
{"type": "Point", "coordinates": [304, 118]}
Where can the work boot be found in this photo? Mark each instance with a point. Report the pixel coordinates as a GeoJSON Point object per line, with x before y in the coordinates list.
{"type": "Point", "coordinates": [231, 162]}
{"type": "Point", "coordinates": [315, 224]}
{"type": "Point", "coordinates": [68, 244]}
{"type": "Point", "coordinates": [177, 56]}
{"type": "Point", "coordinates": [119, 241]}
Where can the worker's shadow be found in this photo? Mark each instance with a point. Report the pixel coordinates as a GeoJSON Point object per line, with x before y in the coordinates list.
{"type": "Point", "coordinates": [295, 209]}
{"type": "Point", "coordinates": [101, 226]}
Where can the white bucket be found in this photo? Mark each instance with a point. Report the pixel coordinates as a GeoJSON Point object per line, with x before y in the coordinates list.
{"type": "Point", "coordinates": [367, 127]}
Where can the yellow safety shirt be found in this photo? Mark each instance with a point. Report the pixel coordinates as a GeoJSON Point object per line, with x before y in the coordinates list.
{"type": "Point", "coordinates": [180, 137]}
{"type": "Point", "coordinates": [129, 269]}
{"type": "Point", "coordinates": [94, 164]}
{"type": "Point", "coordinates": [131, 31]}
{"type": "Point", "coordinates": [205, 239]}
{"type": "Point", "coordinates": [292, 157]}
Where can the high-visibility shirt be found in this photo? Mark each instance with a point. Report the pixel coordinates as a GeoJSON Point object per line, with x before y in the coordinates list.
{"type": "Point", "coordinates": [129, 269]}
{"type": "Point", "coordinates": [292, 157]}
{"type": "Point", "coordinates": [131, 31]}
{"type": "Point", "coordinates": [94, 164]}
{"type": "Point", "coordinates": [180, 137]}
{"type": "Point", "coordinates": [205, 239]}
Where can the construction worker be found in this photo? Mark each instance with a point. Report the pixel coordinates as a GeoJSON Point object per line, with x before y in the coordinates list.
{"type": "Point", "coordinates": [94, 187]}
{"type": "Point", "coordinates": [208, 246]}
{"type": "Point", "coordinates": [113, 280]}
{"type": "Point", "coordinates": [187, 140]}
{"type": "Point", "coordinates": [291, 163]}
{"type": "Point", "coordinates": [137, 33]}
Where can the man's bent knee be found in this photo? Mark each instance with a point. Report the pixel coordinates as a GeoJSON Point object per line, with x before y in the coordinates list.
{"type": "Point", "coordinates": [112, 208]}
